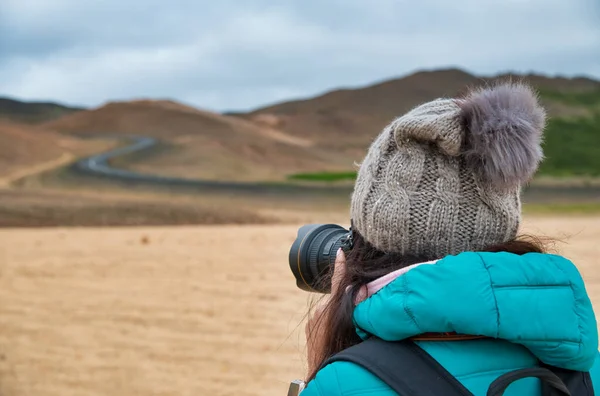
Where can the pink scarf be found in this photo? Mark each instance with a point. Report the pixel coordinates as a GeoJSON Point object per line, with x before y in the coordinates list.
{"type": "Point", "coordinates": [373, 287]}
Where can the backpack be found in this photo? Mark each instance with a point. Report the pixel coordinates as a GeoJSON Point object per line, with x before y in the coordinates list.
{"type": "Point", "coordinates": [410, 371]}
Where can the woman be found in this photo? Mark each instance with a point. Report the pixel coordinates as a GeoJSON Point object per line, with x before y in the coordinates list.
{"type": "Point", "coordinates": [437, 259]}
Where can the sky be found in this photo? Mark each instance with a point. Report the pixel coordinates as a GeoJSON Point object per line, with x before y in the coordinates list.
{"type": "Point", "coordinates": [243, 54]}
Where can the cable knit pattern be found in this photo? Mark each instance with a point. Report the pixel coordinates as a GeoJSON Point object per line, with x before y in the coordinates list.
{"type": "Point", "coordinates": [416, 192]}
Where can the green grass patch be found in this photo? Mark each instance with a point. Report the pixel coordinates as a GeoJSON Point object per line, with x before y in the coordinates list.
{"type": "Point", "coordinates": [324, 176]}
{"type": "Point", "coordinates": [572, 147]}
{"type": "Point", "coordinates": [585, 98]}
{"type": "Point", "coordinates": [586, 208]}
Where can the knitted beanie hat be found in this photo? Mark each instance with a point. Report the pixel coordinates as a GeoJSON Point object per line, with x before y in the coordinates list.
{"type": "Point", "coordinates": [446, 177]}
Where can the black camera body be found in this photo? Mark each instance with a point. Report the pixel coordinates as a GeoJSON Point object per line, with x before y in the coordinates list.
{"type": "Point", "coordinates": [313, 253]}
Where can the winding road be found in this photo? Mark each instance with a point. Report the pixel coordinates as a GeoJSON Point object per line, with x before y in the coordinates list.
{"type": "Point", "coordinates": [98, 165]}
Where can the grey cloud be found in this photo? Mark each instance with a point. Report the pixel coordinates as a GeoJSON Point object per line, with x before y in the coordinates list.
{"type": "Point", "coordinates": [227, 55]}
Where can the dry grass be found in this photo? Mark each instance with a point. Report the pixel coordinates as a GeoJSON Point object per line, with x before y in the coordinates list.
{"type": "Point", "coordinates": [49, 208]}
{"type": "Point", "coordinates": [208, 310]}
{"type": "Point", "coordinates": [26, 150]}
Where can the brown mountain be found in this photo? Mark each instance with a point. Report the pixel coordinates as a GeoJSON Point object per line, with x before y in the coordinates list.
{"type": "Point", "coordinates": [202, 144]}
{"type": "Point", "coordinates": [348, 119]}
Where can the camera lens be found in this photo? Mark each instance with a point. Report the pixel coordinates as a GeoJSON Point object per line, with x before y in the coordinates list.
{"type": "Point", "coordinates": [312, 254]}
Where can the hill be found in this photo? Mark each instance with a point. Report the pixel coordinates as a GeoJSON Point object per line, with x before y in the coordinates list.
{"type": "Point", "coordinates": [346, 120]}
{"type": "Point", "coordinates": [201, 144]}
{"type": "Point", "coordinates": [32, 112]}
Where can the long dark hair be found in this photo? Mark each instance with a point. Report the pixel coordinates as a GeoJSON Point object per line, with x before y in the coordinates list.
{"type": "Point", "coordinates": [365, 263]}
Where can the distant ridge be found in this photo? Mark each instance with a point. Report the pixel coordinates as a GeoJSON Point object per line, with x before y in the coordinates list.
{"type": "Point", "coordinates": [32, 112]}
{"type": "Point", "coordinates": [448, 80]}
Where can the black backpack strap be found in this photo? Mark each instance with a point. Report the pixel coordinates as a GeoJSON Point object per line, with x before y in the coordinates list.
{"type": "Point", "coordinates": [552, 385]}
{"type": "Point", "coordinates": [404, 367]}
{"type": "Point", "coordinates": [579, 383]}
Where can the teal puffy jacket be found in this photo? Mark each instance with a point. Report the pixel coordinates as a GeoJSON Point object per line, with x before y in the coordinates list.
{"type": "Point", "coordinates": [533, 307]}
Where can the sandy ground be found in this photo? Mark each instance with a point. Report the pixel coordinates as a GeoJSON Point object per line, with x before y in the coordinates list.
{"type": "Point", "coordinates": [171, 311]}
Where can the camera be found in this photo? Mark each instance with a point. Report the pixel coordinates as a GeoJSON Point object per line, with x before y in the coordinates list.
{"type": "Point", "coordinates": [313, 254]}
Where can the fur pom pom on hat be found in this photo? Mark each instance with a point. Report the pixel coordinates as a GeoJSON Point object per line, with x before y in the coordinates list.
{"type": "Point", "coordinates": [503, 133]}
{"type": "Point", "coordinates": [446, 177]}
